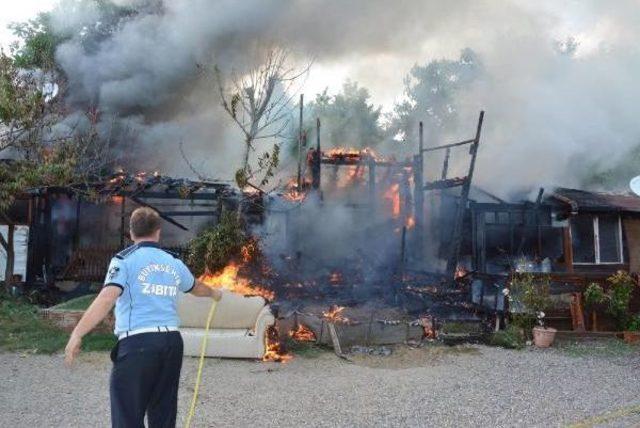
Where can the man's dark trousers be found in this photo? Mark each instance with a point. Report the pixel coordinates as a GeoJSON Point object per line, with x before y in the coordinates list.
{"type": "Point", "coordinates": [144, 379]}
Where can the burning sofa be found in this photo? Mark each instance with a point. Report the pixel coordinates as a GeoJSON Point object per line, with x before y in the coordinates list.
{"type": "Point", "coordinates": [238, 328]}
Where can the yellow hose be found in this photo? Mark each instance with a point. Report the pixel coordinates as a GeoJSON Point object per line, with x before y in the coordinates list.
{"type": "Point", "coordinates": [203, 350]}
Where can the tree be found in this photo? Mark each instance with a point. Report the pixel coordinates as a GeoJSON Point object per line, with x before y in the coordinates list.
{"type": "Point", "coordinates": [431, 92]}
{"type": "Point", "coordinates": [31, 153]}
{"type": "Point", "coordinates": [259, 103]}
{"type": "Point", "coordinates": [348, 118]}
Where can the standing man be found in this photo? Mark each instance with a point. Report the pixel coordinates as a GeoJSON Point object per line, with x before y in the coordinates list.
{"type": "Point", "coordinates": [143, 281]}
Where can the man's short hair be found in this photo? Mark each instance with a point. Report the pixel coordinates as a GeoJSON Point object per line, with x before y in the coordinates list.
{"type": "Point", "coordinates": [144, 222]}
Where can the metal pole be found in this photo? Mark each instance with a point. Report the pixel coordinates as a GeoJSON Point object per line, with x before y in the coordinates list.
{"type": "Point", "coordinates": [300, 145]}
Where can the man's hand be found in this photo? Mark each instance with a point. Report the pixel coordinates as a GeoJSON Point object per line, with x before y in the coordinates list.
{"type": "Point", "coordinates": [72, 350]}
{"type": "Point", "coordinates": [96, 312]}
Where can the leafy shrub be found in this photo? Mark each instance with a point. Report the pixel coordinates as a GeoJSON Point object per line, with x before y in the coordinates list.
{"type": "Point", "coordinates": [529, 296]}
{"type": "Point", "coordinates": [511, 338]}
{"type": "Point", "coordinates": [619, 296]}
{"type": "Point", "coordinates": [594, 295]}
{"type": "Point", "coordinates": [634, 324]}
{"type": "Point", "coordinates": [217, 246]}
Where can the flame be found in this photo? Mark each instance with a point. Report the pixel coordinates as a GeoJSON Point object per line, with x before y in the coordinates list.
{"type": "Point", "coordinates": [117, 199]}
{"type": "Point", "coordinates": [410, 222]}
{"type": "Point", "coordinates": [393, 195]}
{"type": "Point", "coordinates": [272, 345]}
{"type": "Point", "coordinates": [302, 334]}
{"type": "Point", "coordinates": [334, 314]}
{"type": "Point", "coordinates": [335, 278]}
{"type": "Point", "coordinates": [460, 272]}
{"type": "Point", "coordinates": [428, 326]}
{"type": "Point", "coordinates": [228, 279]}
{"type": "Point", "coordinates": [292, 192]}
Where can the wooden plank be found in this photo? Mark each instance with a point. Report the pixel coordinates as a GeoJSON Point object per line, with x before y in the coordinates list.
{"type": "Point", "coordinates": [568, 247]}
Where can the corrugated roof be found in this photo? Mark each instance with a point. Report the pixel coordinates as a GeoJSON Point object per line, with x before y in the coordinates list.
{"type": "Point", "coordinates": [598, 201]}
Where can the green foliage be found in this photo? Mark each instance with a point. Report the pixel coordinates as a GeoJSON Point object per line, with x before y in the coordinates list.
{"type": "Point", "coordinates": [634, 323]}
{"type": "Point", "coordinates": [529, 297]}
{"type": "Point", "coordinates": [22, 329]}
{"type": "Point", "coordinates": [619, 296]}
{"type": "Point", "coordinates": [348, 119]}
{"type": "Point", "coordinates": [22, 103]}
{"type": "Point", "coordinates": [431, 95]}
{"type": "Point", "coordinates": [56, 166]}
{"type": "Point", "coordinates": [39, 38]}
{"type": "Point", "coordinates": [215, 247]}
{"type": "Point", "coordinates": [594, 295]}
{"type": "Point", "coordinates": [39, 43]}
{"type": "Point", "coordinates": [511, 338]}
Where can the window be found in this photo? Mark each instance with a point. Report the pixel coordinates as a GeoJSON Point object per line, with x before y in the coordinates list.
{"type": "Point", "coordinates": [597, 239]}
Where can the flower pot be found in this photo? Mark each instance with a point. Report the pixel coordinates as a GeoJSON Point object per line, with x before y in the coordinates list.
{"type": "Point", "coordinates": [543, 337]}
{"type": "Point", "coordinates": [631, 336]}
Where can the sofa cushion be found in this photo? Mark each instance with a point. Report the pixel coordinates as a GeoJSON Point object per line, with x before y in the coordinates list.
{"type": "Point", "coordinates": [234, 311]}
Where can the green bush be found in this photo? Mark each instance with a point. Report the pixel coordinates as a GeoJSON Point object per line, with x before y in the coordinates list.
{"type": "Point", "coordinates": [511, 338]}
{"type": "Point", "coordinates": [215, 247]}
{"type": "Point", "coordinates": [594, 295]}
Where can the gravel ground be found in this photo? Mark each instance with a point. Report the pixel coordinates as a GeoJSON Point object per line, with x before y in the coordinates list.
{"type": "Point", "coordinates": [436, 386]}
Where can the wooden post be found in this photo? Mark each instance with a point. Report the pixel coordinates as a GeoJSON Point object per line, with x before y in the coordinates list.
{"type": "Point", "coordinates": [577, 314]}
{"type": "Point", "coordinates": [418, 195]}
{"type": "Point", "coordinates": [372, 183]}
{"type": "Point", "coordinates": [122, 221]}
{"type": "Point", "coordinates": [300, 145]}
{"type": "Point", "coordinates": [316, 168]}
{"type": "Point", "coordinates": [456, 242]}
{"type": "Point", "coordinates": [445, 165]}
{"type": "Point", "coordinates": [568, 247]}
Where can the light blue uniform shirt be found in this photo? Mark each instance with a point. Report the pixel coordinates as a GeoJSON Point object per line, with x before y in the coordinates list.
{"type": "Point", "coordinates": [150, 279]}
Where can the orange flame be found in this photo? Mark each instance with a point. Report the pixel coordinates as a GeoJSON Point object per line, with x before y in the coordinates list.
{"type": "Point", "coordinates": [273, 351]}
{"type": "Point", "coordinates": [302, 334]}
{"type": "Point", "coordinates": [410, 222]}
{"type": "Point", "coordinates": [393, 195]}
{"type": "Point", "coordinates": [334, 314]}
{"type": "Point", "coordinates": [228, 279]}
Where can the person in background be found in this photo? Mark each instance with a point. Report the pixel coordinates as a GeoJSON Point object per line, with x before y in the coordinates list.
{"type": "Point", "coordinates": [143, 281]}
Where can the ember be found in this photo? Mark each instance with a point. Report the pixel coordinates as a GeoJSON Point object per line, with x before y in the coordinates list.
{"type": "Point", "coordinates": [302, 334]}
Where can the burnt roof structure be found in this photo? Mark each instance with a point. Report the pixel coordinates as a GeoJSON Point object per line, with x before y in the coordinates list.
{"type": "Point", "coordinates": [585, 201]}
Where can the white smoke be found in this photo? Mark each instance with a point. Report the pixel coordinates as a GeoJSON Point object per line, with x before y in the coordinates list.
{"type": "Point", "coordinates": [549, 116]}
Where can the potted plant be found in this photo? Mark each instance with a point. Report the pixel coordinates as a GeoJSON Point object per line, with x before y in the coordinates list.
{"type": "Point", "coordinates": [530, 297]}
{"type": "Point", "coordinates": [632, 333]}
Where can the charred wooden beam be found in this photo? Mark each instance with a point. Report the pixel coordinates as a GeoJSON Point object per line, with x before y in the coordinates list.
{"type": "Point", "coordinates": [446, 184]}
{"type": "Point", "coordinates": [418, 197]}
{"type": "Point", "coordinates": [456, 243]}
{"type": "Point", "coordinates": [160, 213]}
{"type": "Point", "coordinates": [449, 146]}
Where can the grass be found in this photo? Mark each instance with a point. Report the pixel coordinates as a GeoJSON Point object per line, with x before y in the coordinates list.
{"type": "Point", "coordinates": [596, 348]}
{"type": "Point", "coordinates": [22, 329]}
{"type": "Point", "coordinates": [78, 304]}
{"type": "Point", "coordinates": [510, 338]}
{"type": "Point", "coordinates": [460, 328]}
{"type": "Point", "coordinates": [305, 349]}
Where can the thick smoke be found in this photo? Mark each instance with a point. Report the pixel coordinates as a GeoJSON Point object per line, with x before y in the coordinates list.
{"type": "Point", "coordinates": [550, 116]}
